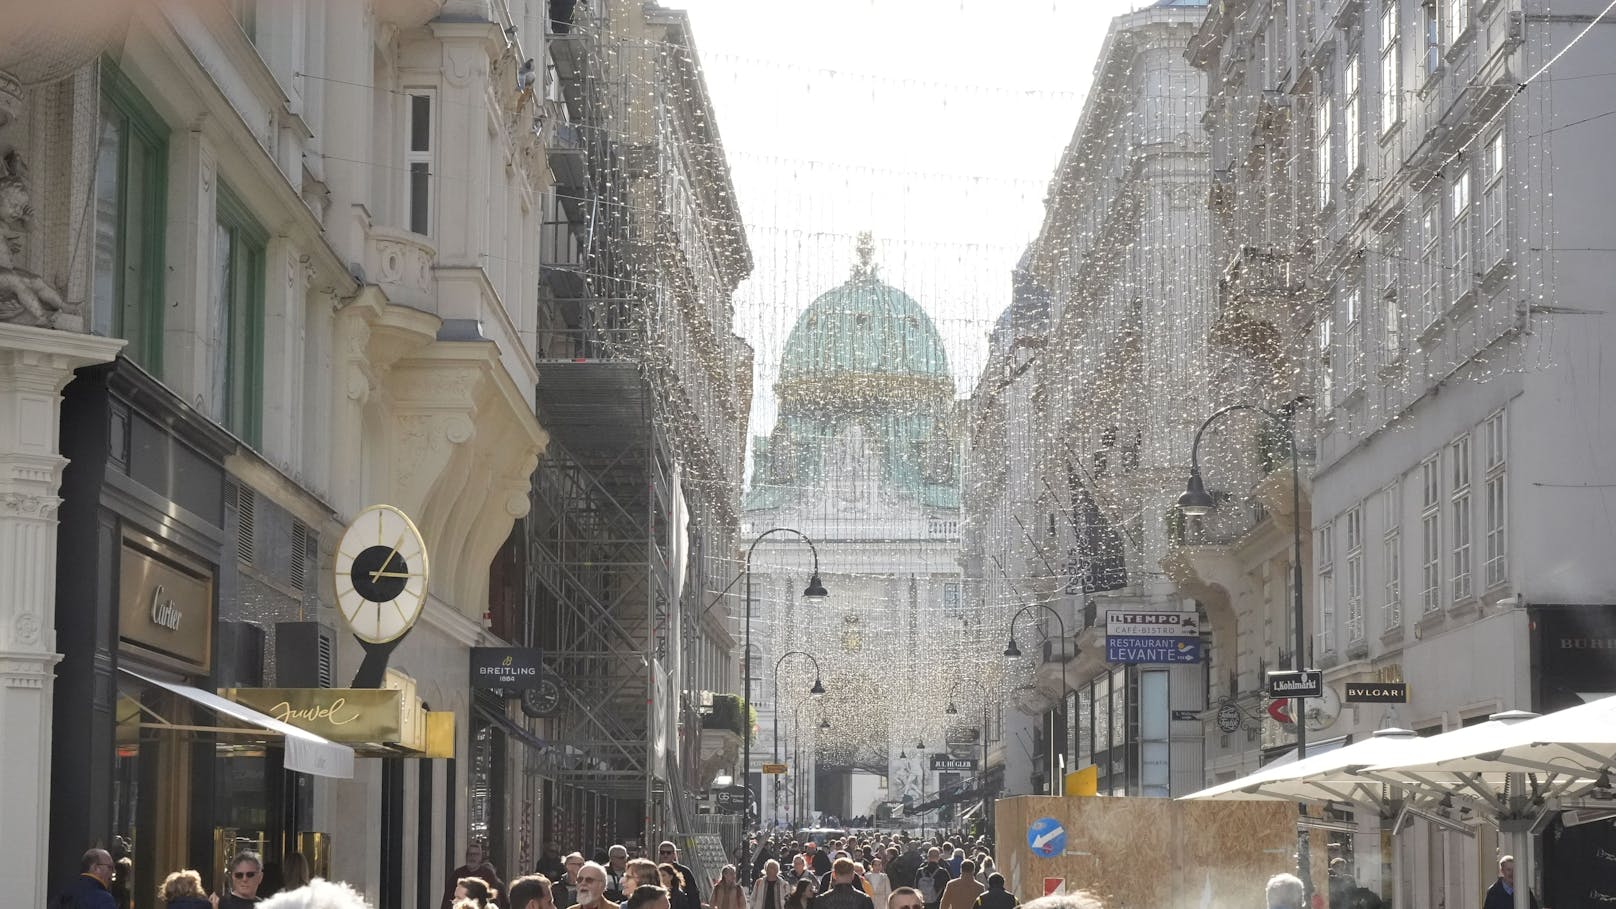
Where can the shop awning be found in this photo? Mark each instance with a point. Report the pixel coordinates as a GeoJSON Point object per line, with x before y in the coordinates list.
{"type": "Point", "coordinates": [1314, 749]}
{"type": "Point", "coordinates": [305, 751]}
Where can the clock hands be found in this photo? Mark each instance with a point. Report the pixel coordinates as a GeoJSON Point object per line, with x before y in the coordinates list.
{"type": "Point", "coordinates": [377, 574]}
{"type": "Point", "coordinates": [374, 575]}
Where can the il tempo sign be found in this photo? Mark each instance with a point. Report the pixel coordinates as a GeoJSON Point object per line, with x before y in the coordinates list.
{"type": "Point", "coordinates": [1152, 637]}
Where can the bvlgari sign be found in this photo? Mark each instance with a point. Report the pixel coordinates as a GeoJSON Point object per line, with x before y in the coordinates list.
{"type": "Point", "coordinates": [164, 603]}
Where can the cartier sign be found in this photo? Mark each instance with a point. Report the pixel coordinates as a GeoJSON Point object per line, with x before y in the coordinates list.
{"type": "Point", "coordinates": [164, 603]}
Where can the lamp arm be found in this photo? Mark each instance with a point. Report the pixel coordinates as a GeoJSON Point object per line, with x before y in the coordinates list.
{"type": "Point", "coordinates": [802, 536]}
{"type": "Point", "coordinates": [1045, 607]}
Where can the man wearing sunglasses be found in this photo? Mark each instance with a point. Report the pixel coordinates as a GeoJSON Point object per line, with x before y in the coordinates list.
{"type": "Point", "coordinates": [668, 854]}
{"type": "Point", "coordinates": [592, 888]}
{"type": "Point", "coordinates": [246, 873]}
{"type": "Point", "coordinates": [89, 889]}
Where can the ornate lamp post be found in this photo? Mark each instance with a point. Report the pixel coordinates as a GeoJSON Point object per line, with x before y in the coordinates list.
{"type": "Point", "coordinates": [817, 690]}
{"type": "Point", "coordinates": [1011, 651]}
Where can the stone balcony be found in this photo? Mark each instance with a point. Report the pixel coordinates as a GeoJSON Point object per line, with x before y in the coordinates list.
{"type": "Point", "coordinates": [1259, 295]}
{"type": "Point", "coordinates": [402, 264]}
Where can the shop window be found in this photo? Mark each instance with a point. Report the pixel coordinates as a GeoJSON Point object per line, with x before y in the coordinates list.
{"type": "Point", "coordinates": [237, 362]}
{"type": "Point", "coordinates": [130, 192]}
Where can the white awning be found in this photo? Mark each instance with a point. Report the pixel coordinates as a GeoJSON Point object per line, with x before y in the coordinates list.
{"type": "Point", "coordinates": [305, 751]}
{"type": "Point", "coordinates": [1314, 749]}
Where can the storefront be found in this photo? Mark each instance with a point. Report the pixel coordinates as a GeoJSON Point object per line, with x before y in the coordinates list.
{"type": "Point", "coordinates": [146, 760]}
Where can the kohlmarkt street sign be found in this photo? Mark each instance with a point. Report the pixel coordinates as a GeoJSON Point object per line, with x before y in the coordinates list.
{"type": "Point", "coordinates": [1304, 683]}
{"type": "Point", "coordinates": [1152, 637]}
{"type": "Point", "coordinates": [1375, 693]}
{"type": "Point", "coordinates": [944, 762]}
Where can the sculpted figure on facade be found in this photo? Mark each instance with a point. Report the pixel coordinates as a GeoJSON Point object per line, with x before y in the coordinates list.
{"type": "Point", "coordinates": [25, 298]}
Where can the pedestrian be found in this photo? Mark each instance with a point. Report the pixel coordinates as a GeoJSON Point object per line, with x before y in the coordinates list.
{"type": "Point", "coordinates": [532, 891]}
{"type": "Point", "coordinates": [996, 897]}
{"type": "Point", "coordinates": [802, 895]}
{"type": "Point", "coordinates": [799, 869]}
{"type": "Point", "coordinates": [956, 857]}
{"type": "Point", "coordinates": [905, 898]}
{"type": "Point", "coordinates": [880, 884]}
{"type": "Point", "coordinates": [961, 892]}
{"type": "Point", "coordinates": [688, 894]}
{"type": "Point", "coordinates": [819, 861]}
{"type": "Point", "coordinates": [90, 890]}
{"type": "Point", "coordinates": [565, 890]}
{"type": "Point", "coordinates": [478, 865]}
{"type": "Point", "coordinates": [769, 891]}
{"type": "Point", "coordinates": [184, 890]}
{"type": "Point", "coordinates": [319, 894]}
{"type": "Point", "coordinates": [843, 894]}
{"type": "Point", "coordinates": [123, 878]}
{"type": "Point", "coordinates": [246, 873]}
{"type": "Point", "coordinates": [549, 863]}
{"type": "Point", "coordinates": [932, 877]}
{"type": "Point", "coordinates": [616, 872]}
{"type": "Point", "coordinates": [295, 872]}
{"type": "Point", "coordinates": [727, 892]}
{"type": "Point", "coordinates": [1501, 895]}
{"type": "Point", "coordinates": [1284, 892]}
{"type": "Point", "coordinates": [640, 872]}
{"type": "Point", "coordinates": [474, 889]}
{"type": "Point", "coordinates": [1078, 900]}
{"type": "Point", "coordinates": [649, 896]}
{"type": "Point", "coordinates": [592, 888]}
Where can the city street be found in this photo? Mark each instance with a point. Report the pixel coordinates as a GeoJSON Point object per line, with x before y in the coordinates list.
{"type": "Point", "coordinates": [735, 454]}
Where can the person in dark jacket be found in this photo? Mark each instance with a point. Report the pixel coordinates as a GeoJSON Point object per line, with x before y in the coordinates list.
{"type": "Point", "coordinates": [90, 889]}
{"type": "Point", "coordinates": [184, 890]}
{"type": "Point", "coordinates": [1501, 895]}
{"type": "Point", "coordinates": [246, 874]}
{"type": "Point", "coordinates": [689, 894]}
{"type": "Point", "coordinates": [996, 896]}
{"type": "Point", "coordinates": [842, 894]}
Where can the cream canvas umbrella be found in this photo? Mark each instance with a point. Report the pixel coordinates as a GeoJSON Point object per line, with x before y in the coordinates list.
{"type": "Point", "coordinates": [1328, 777]}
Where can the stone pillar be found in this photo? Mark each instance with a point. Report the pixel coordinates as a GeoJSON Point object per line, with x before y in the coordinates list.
{"type": "Point", "coordinates": [35, 365]}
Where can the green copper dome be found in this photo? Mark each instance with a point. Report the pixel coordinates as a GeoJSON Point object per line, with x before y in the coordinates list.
{"type": "Point", "coordinates": [866, 327]}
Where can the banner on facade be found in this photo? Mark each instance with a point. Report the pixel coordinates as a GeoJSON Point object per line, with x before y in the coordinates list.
{"type": "Point", "coordinates": [506, 667]}
{"type": "Point", "coordinates": [1152, 637]}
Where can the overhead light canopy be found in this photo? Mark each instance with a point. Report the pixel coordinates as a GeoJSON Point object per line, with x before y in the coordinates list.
{"type": "Point", "coordinates": [1011, 651]}
{"type": "Point", "coordinates": [952, 710]}
{"type": "Point", "coordinates": [818, 689]}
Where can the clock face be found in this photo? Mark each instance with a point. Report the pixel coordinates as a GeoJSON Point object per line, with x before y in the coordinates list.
{"type": "Point", "coordinates": [381, 574]}
{"type": "Point", "coordinates": [542, 701]}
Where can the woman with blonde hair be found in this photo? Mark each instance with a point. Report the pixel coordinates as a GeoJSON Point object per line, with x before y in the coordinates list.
{"type": "Point", "coordinates": [727, 892]}
{"type": "Point", "coordinates": [183, 890]}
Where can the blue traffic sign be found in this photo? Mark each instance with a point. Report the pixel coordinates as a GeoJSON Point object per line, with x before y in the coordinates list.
{"type": "Point", "coordinates": [1046, 837]}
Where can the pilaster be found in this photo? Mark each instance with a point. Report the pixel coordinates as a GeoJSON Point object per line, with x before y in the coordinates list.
{"type": "Point", "coordinates": [35, 365]}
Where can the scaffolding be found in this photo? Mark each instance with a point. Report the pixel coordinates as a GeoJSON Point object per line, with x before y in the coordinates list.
{"type": "Point", "coordinates": [624, 503]}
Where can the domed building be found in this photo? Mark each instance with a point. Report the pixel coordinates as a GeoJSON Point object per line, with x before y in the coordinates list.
{"type": "Point", "coordinates": [864, 459]}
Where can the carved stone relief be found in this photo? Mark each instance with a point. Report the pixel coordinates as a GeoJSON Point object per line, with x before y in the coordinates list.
{"type": "Point", "coordinates": [25, 298]}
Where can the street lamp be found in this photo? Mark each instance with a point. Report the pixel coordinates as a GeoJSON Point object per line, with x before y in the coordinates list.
{"type": "Point", "coordinates": [814, 591]}
{"type": "Point", "coordinates": [1196, 501]}
{"type": "Point", "coordinates": [982, 770]}
{"type": "Point", "coordinates": [816, 691]}
{"type": "Point", "coordinates": [1012, 651]}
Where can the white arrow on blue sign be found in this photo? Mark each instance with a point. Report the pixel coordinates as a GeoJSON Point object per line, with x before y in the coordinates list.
{"type": "Point", "coordinates": [1046, 837]}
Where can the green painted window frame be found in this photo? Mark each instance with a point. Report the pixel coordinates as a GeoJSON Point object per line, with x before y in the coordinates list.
{"type": "Point", "coordinates": [243, 411]}
{"type": "Point", "coordinates": [137, 314]}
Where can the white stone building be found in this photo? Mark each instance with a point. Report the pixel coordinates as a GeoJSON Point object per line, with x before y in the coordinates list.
{"type": "Point", "coordinates": [1123, 254]}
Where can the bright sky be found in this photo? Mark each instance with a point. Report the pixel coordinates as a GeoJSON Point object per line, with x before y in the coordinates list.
{"type": "Point", "coordinates": [936, 124]}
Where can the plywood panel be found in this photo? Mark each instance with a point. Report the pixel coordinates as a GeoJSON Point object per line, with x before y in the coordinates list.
{"type": "Point", "coordinates": [1139, 853]}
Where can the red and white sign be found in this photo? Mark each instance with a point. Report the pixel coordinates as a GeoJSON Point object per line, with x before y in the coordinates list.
{"type": "Point", "coordinates": [1054, 886]}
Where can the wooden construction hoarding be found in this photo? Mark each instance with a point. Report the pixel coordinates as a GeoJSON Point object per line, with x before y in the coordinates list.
{"type": "Point", "coordinates": [1143, 853]}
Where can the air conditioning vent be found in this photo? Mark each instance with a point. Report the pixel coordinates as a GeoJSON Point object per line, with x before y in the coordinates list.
{"type": "Point", "coordinates": [327, 661]}
{"type": "Point", "coordinates": [246, 502]}
{"type": "Point", "coordinates": [299, 556]}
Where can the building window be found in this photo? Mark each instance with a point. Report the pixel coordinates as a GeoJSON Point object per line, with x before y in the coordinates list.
{"type": "Point", "coordinates": [1355, 575]}
{"type": "Point", "coordinates": [1352, 336]}
{"type": "Point", "coordinates": [1431, 534]}
{"type": "Point", "coordinates": [1458, 16]}
{"type": "Point", "coordinates": [1322, 124]}
{"type": "Point", "coordinates": [1350, 114]}
{"type": "Point", "coordinates": [246, 15]}
{"type": "Point", "coordinates": [1430, 262]}
{"type": "Point", "coordinates": [1459, 511]}
{"type": "Point", "coordinates": [1391, 314]}
{"type": "Point", "coordinates": [1433, 37]}
{"type": "Point", "coordinates": [1391, 547]}
{"type": "Point", "coordinates": [131, 174]}
{"type": "Point", "coordinates": [1493, 202]}
{"type": "Point", "coordinates": [1326, 367]}
{"type": "Point", "coordinates": [418, 159]}
{"type": "Point", "coordinates": [1326, 558]}
{"type": "Point", "coordinates": [1459, 234]}
{"type": "Point", "coordinates": [237, 300]}
{"type": "Point", "coordinates": [1496, 505]}
{"type": "Point", "coordinates": [1391, 95]}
